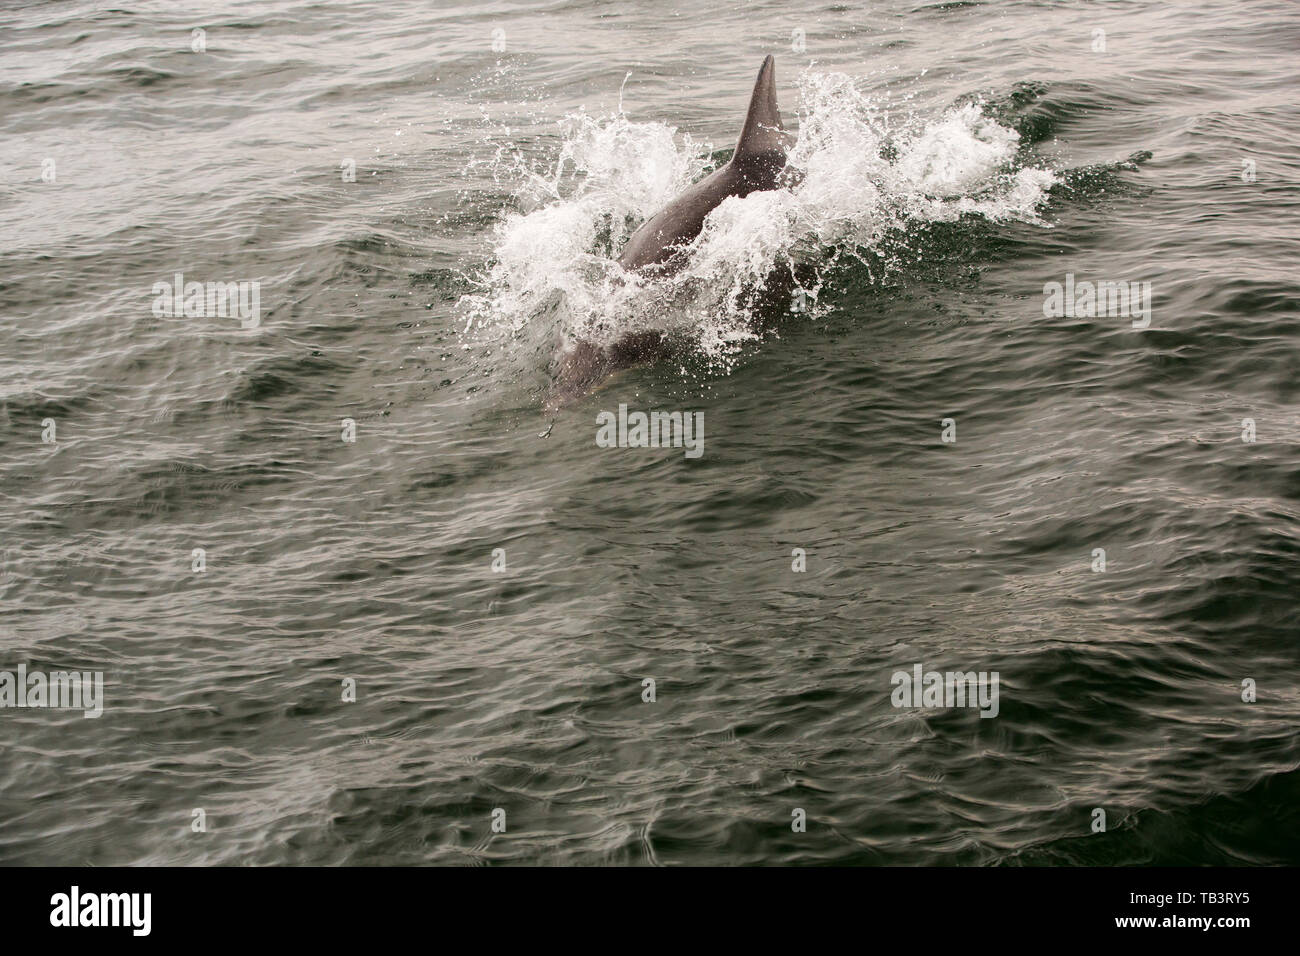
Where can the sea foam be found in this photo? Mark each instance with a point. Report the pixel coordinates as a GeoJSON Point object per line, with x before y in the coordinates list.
{"type": "Point", "coordinates": [867, 173]}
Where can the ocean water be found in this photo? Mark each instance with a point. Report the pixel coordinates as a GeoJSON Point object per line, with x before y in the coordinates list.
{"type": "Point", "coordinates": [349, 603]}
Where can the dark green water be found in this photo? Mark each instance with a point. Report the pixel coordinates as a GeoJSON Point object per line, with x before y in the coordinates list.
{"type": "Point", "coordinates": [521, 689]}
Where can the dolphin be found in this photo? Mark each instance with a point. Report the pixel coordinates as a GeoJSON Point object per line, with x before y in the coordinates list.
{"type": "Point", "coordinates": [756, 164]}
{"type": "Point", "coordinates": [658, 247]}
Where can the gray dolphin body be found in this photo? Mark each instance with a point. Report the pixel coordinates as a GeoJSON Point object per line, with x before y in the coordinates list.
{"type": "Point", "coordinates": [756, 164]}
{"type": "Point", "coordinates": [658, 247]}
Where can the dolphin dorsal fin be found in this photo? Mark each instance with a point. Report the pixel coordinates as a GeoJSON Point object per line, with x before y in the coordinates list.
{"type": "Point", "coordinates": [763, 135]}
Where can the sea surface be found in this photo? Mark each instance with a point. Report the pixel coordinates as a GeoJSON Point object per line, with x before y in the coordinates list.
{"type": "Point", "coordinates": [350, 606]}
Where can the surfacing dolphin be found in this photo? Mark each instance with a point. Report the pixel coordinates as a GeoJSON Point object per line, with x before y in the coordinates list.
{"type": "Point", "coordinates": [756, 165]}
{"type": "Point", "coordinates": [658, 248]}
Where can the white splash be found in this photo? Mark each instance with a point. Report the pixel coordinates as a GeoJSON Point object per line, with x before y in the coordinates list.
{"type": "Point", "coordinates": [553, 275]}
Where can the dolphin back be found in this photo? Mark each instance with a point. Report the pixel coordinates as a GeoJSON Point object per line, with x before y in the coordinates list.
{"type": "Point", "coordinates": [756, 164]}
